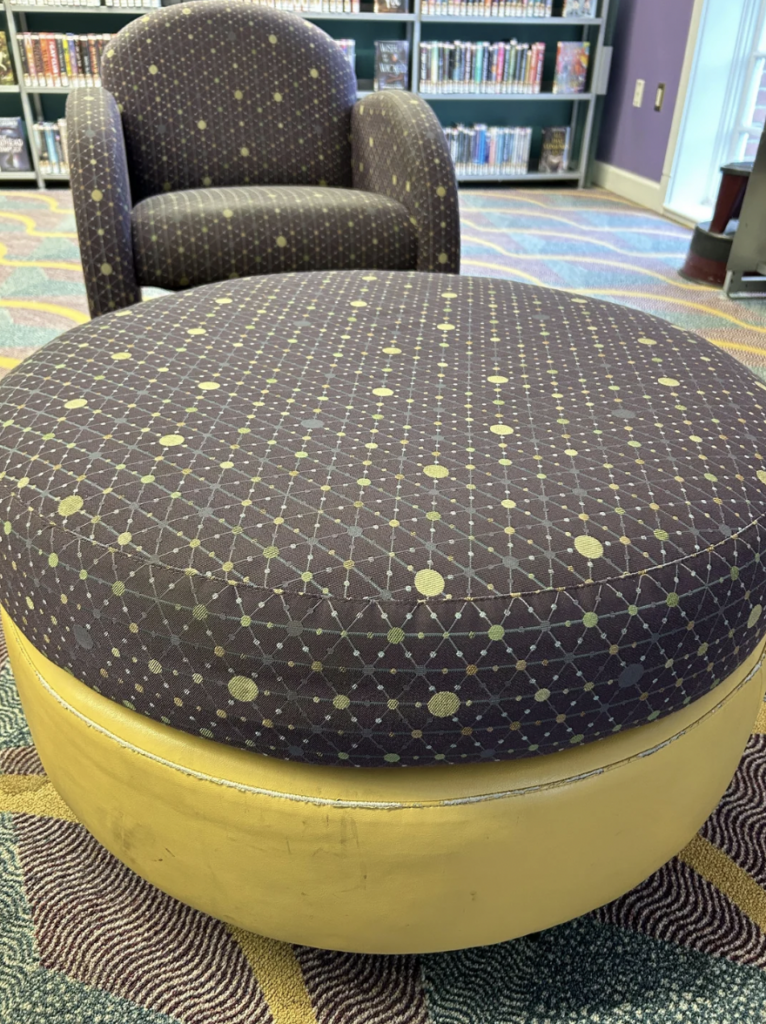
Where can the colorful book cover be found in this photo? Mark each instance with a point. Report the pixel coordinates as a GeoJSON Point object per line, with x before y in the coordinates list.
{"type": "Point", "coordinates": [391, 6]}
{"type": "Point", "coordinates": [391, 64]}
{"type": "Point", "coordinates": [6, 68]}
{"type": "Point", "coordinates": [579, 9]}
{"type": "Point", "coordinates": [14, 154]}
{"type": "Point", "coordinates": [571, 67]}
{"type": "Point", "coordinates": [554, 156]}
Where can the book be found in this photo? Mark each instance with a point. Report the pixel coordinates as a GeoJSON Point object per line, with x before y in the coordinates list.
{"type": "Point", "coordinates": [6, 66]}
{"type": "Point", "coordinates": [14, 155]}
{"type": "Point", "coordinates": [579, 9]}
{"type": "Point", "coordinates": [391, 64]}
{"type": "Point", "coordinates": [391, 6]}
{"type": "Point", "coordinates": [554, 156]}
{"type": "Point", "coordinates": [571, 67]}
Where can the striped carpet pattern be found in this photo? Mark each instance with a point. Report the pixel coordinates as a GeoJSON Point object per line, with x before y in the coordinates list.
{"type": "Point", "coordinates": [85, 941]}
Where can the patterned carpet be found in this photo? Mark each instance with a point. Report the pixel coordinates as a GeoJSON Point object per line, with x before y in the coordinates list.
{"type": "Point", "coordinates": [84, 940]}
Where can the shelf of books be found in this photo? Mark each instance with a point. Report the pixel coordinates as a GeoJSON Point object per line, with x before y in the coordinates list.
{"type": "Point", "coordinates": [542, 63]}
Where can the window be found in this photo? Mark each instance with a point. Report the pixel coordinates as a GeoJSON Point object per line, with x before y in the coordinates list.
{"type": "Point", "coordinates": [752, 114]}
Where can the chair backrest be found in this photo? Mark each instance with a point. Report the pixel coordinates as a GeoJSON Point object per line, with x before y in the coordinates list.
{"type": "Point", "coordinates": [224, 92]}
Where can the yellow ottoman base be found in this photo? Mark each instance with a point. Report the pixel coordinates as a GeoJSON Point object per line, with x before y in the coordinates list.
{"type": "Point", "coordinates": [384, 860]}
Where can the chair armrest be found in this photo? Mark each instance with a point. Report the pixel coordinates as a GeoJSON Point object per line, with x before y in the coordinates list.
{"type": "Point", "coordinates": [399, 150]}
{"type": "Point", "coordinates": [98, 170]}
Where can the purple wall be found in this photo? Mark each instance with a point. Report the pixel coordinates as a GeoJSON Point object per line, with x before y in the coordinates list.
{"type": "Point", "coordinates": [649, 42]}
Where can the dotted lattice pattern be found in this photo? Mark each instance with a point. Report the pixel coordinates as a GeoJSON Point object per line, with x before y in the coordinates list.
{"type": "Point", "coordinates": [201, 235]}
{"type": "Point", "coordinates": [386, 518]}
{"type": "Point", "coordinates": [206, 102]}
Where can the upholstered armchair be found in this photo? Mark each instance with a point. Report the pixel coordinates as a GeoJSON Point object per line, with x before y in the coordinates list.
{"type": "Point", "coordinates": [227, 140]}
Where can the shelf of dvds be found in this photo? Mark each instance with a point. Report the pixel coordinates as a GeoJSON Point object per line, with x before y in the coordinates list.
{"type": "Point", "coordinates": [535, 38]}
{"type": "Point", "coordinates": [493, 19]}
{"type": "Point", "coordinates": [532, 97]}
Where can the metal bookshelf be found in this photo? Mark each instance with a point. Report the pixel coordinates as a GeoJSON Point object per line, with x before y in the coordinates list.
{"type": "Point", "coordinates": [417, 26]}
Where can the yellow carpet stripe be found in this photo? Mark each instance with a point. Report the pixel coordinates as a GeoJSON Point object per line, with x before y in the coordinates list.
{"type": "Point", "coordinates": [675, 302]}
{"type": "Point", "coordinates": [581, 258]}
{"type": "Point", "coordinates": [42, 196]}
{"type": "Point", "coordinates": [279, 975]}
{"type": "Point", "coordinates": [46, 307]}
{"type": "Point", "coordinates": [760, 722]}
{"type": "Point", "coordinates": [30, 226]}
{"type": "Point", "coordinates": [718, 868]}
{"type": "Point", "coordinates": [579, 238]}
{"type": "Point", "coordinates": [8, 362]}
{"type": "Point", "coordinates": [32, 794]}
{"type": "Point", "coordinates": [512, 211]}
{"type": "Point", "coordinates": [497, 266]}
{"type": "Point", "coordinates": [643, 295]}
{"type": "Point", "coordinates": [600, 195]}
{"type": "Point", "coordinates": [524, 197]}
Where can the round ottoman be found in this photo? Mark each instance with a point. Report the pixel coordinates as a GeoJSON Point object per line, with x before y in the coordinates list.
{"type": "Point", "coordinates": [383, 613]}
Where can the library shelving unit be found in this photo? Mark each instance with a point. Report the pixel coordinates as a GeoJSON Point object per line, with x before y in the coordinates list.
{"type": "Point", "coordinates": [507, 110]}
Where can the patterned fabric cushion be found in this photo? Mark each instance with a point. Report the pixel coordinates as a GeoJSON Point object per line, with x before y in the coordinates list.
{"type": "Point", "coordinates": [386, 518]}
{"type": "Point", "coordinates": [228, 93]}
{"type": "Point", "coordinates": [189, 238]}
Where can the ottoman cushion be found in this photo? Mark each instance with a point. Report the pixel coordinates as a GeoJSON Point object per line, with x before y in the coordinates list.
{"type": "Point", "coordinates": [377, 518]}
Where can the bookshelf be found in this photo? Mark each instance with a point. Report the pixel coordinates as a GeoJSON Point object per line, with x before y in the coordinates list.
{"type": "Point", "coordinates": [529, 110]}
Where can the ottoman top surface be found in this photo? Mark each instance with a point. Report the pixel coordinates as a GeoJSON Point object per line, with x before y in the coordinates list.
{"type": "Point", "coordinates": [387, 517]}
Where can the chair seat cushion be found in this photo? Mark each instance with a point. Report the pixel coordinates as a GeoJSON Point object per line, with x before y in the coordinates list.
{"type": "Point", "coordinates": [378, 518]}
{"type": "Point", "coordinates": [181, 239]}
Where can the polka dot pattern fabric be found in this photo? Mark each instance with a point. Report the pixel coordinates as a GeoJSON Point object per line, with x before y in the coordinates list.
{"type": "Point", "coordinates": [226, 95]}
{"type": "Point", "coordinates": [399, 151]}
{"type": "Point", "coordinates": [102, 200]}
{"type": "Point", "coordinates": [190, 238]}
{"type": "Point", "coordinates": [386, 518]}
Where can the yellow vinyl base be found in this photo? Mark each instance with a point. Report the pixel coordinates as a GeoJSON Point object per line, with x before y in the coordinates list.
{"type": "Point", "coordinates": [384, 860]}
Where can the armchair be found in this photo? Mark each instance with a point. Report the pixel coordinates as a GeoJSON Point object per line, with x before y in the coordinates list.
{"type": "Point", "coordinates": [227, 141]}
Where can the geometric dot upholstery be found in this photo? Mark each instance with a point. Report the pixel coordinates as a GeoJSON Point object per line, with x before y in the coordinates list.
{"type": "Point", "coordinates": [188, 238]}
{"type": "Point", "coordinates": [193, 83]}
{"type": "Point", "coordinates": [227, 94]}
{"type": "Point", "coordinates": [386, 518]}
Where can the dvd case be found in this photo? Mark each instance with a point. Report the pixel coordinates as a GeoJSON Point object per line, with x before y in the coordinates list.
{"type": "Point", "coordinates": [481, 67]}
{"type": "Point", "coordinates": [391, 64]}
{"type": "Point", "coordinates": [554, 156]}
{"type": "Point", "coordinates": [6, 67]}
{"type": "Point", "coordinates": [14, 154]}
{"type": "Point", "coordinates": [571, 67]}
{"type": "Point", "coordinates": [579, 9]}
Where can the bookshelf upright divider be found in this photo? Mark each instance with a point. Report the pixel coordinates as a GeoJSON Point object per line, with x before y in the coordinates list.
{"type": "Point", "coordinates": [536, 111]}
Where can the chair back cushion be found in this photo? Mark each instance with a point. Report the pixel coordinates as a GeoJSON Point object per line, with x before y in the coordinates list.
{"type": "Point", "coordinates": [224, 92]}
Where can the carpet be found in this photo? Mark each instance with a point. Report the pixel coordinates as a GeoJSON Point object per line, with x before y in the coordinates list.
{"type": "Point", "coordinates": [85, 941]}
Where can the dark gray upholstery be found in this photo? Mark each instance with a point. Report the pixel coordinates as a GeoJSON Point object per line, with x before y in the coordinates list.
{"type": "Point", "coordinates": [206, 105]}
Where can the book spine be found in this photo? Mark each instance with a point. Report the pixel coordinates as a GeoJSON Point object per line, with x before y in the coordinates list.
{"type": "Point", "coordinates": [63, 76]}
{"type": "Point", "coordinates": [26, 71]}
{"type": "Point", "coordinates": [94, 59]}
{"type": "Point", "coordinates": [38, 52]}
{"type": "Point", "coordinates": [38, 142]}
